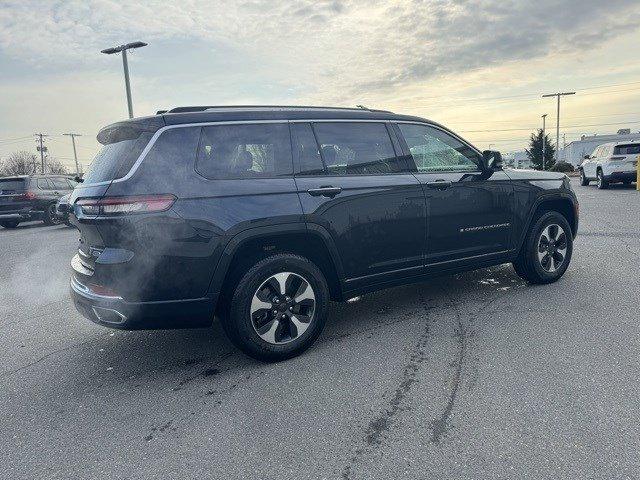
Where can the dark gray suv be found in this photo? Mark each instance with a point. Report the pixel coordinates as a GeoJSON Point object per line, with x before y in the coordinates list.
{"type": "Point", "coordinates": [265, 214]}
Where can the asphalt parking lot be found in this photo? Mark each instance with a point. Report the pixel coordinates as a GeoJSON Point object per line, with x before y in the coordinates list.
{"type": "Point", "coordinates": [473, 376]}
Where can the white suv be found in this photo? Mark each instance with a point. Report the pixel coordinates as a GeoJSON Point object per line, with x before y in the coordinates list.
{"type": "Point", "coordinates": [611, 163]}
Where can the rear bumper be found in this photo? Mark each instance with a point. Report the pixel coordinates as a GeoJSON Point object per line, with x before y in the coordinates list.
{"type": "Point", "coordinates": [117, 313]}
{"type": "Point", "coordinates": [629, 176]}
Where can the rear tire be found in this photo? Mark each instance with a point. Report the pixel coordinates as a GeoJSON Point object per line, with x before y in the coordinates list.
{"type": "Point", "coordinates": [584, 181]}
{"type": "Point", "coordinates": [10, 223]}
{"type": "Point", "coordinates": [50, 216]}
{"type": "Point", "coordinates": [546, 251]}
{"type": "Point", "coordinates": [270, 324]}
{"type": "Point", "coordinates": [602, 182]}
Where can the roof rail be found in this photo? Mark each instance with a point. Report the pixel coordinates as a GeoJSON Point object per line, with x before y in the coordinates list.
{"type": "Point", "coordinates": [202, 108]}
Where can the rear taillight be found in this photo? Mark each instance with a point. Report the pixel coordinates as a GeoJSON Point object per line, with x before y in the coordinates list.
{"type": "Point", "coordinates": [28, 195]}
{"type": "Point", "coordinates": [126, 205]}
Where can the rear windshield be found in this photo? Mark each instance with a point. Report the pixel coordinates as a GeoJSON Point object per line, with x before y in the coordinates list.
{"type": "Point", "coordinates": [121, 147]}
{"type": "Point", "coordinates": [9, 186]}
{"type": "Point", "coordinates": [631, 149]}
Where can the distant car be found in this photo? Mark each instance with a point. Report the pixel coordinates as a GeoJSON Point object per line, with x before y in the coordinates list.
{"type": "Point", "coordinates": [611, 163]}
{"type": "Point", "coordinates": [62, 209]}
{"type": "Point", "coordinates": [26, 198]}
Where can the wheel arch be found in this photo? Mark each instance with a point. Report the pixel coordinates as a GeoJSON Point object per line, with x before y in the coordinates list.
{"type": "Point", "coordinates": [250, 246]}
{"type": "Point", "coordinates": [563, 204]}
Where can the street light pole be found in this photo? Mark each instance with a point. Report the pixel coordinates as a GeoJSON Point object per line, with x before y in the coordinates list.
{"type": "Point", "coordinates": [73, 142]}
{"type": "Point", "coordinates": [125, 66]}
{"type": "Point", "coordinates": [544, 143]}
{"type": "Point", "coordinates": [558, 95]}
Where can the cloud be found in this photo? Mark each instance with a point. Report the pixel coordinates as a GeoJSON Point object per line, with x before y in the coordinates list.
{"type": "Point", "coordinates": [339, 48]}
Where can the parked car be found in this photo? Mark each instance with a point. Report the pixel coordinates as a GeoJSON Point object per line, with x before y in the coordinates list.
{"type": "Point", "coordinates": [614, 162]}
{"type": "Point", "coordinates": [62, 209]}
{"type": "Point", "coordinates": [26, 198]}
{"type": "Point", "coordinates": [263, 215]}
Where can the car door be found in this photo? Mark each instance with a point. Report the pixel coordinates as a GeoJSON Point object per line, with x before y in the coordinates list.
{"type": "Point", "coordinates": [353, 183]}
{"type": "Point", "coordinates": [469, 210]}
{"type": "Point", "coordinates": [592, 164]}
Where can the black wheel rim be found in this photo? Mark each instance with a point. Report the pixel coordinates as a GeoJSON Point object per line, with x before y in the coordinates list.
{"type": "Point", "coordinates": [282, 308]}
{"type": "Point", "coordinates": [53, 218]}
{"type": "Point", "coordinates": [552, 248]}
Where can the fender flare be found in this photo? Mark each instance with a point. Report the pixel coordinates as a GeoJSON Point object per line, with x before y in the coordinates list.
{"type": "Point", "coordinates": [241, 238]}
{"type": "Point", "coordinates": [539, 201]}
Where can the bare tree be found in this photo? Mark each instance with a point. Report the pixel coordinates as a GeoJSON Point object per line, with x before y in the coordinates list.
{"type": "Point", "coordinates": [19, 163]}
{"type": "Point", "coordinates": [56, 167]}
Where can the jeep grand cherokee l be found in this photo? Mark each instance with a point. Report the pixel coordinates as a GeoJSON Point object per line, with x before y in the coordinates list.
{"type": "Point", "coordinates": [262, 215]}
{"type": "Point", "coordinates": [26, 198]}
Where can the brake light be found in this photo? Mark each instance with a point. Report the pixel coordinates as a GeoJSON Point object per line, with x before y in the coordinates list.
{"type": "Point", "coordinates": [126, 205]}
{"type": "Point", "coordinates": [28, 195]}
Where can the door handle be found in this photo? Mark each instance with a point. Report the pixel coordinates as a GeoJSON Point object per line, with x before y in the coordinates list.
{"type": "Point", "coordinates": [324, 191]}
{"type": "Point", "coordinates": [439, 184]}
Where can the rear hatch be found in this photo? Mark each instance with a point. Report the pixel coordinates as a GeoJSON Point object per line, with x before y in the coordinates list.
{"type": "Point", "coordinates": [625, 157]}
{"type": "Point", "coordinates": [13, 194]}
{"type": "Point", "coordinates": [122, 144]}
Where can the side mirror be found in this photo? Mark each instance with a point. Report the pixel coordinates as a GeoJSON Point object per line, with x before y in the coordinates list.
{"type": "Point", "coordinates": [587, 157]}
{"type": "Point", "coordinates": [492, 160]}
{"type": "Point", "coordinates": [78, 179]}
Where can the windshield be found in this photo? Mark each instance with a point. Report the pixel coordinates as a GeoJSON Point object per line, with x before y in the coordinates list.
{"type": "Point", "coordinates": [121, 148]}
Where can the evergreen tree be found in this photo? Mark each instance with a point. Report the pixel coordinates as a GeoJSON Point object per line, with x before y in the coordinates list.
{"type": "Point", "coordinates": [534, 152]}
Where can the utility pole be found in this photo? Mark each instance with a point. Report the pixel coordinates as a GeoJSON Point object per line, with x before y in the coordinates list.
{"type": "Point", "coordinates": [41, 148]}
{"type": "Point", "coordinates": [544, 142]}
{"type": "Point", "coordinates": [558, 95]}
{"type": "Point", "coordinates": [125, 66]}
{"type": "Point", "coordinates": [73, 142]}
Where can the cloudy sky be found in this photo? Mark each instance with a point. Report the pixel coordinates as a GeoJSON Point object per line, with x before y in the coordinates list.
{"type": "Point", "coordinates": [478, 66]}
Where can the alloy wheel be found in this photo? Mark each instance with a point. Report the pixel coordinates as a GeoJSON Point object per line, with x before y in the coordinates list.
{"type": "Point", "coordinates": [282, 308]}
{"type": "Point", "coordinates": [552, 248]}
{"type": "Point", "coordinates": [53, 216]}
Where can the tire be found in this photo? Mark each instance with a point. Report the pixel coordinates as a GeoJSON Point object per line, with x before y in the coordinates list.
{"type": "Point", "coordinates": [272, 333]}
{"type": "Point", "coordinates": [530, 264]}
{"type": "Point", "coordinates": [10, 223]}
{"type": "Point", "coordinates": [602, 182]}
{"type": "Point", "coordinates": [50, 217]}
{"type": "Point", "coordinates": [584, 181]}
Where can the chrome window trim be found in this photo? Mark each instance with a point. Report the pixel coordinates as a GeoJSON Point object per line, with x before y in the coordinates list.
{"type": "Point", "coordinates": [161, 130]}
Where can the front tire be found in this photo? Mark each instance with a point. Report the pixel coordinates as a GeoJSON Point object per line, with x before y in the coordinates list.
{"type": "Point", "coordinates": [546, 251]}
{"type": "Point", "coordinates": [10, 223]}
{"type": "Point", "coordinates": [584, 181]}
{"type": "Point", "coordinates": [279, 308]}
{"type": "Point", "coordinates": [602, 182]}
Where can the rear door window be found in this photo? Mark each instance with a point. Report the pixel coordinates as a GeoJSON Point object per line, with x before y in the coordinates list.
{"type": "Point", "coordinates": [121, 147]}
{"type": "Point", "coordinates": [357, 148]}
{"type": "Point", "coordinates": [245, 151]}
{"type": "Point", "coordinates": [10, 186]}
{"type": "Point", "coordinates": [43, 184]}
{"type": "Point", "coordinates": [305, 150]}
{"type": "Point", "coordinates": [631, 149]}
{"type": "Point", "coordinates": [59, 183]}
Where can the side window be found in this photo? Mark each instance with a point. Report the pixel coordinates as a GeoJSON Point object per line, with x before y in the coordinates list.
{"type": "Point", "coordinates": [306, 153]}
{"type": "Point", "coordinates": [433, 150]}
{"type": "Point", "coordinates": [43, 184]}
{"type": "Point", "coordinates": [357, 148]}
{"type": "Point", "coordinates": [244, 151]}
{"type": "Point", "coordinates": [59, 183]}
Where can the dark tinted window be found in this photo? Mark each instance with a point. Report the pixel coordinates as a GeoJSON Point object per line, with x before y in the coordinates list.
{"type": "Point", "coordinates": [245, 151]}
{"type": "Point", "coordinates": [305, 150]}
{"type": "Point", "coordinates": [357, 148]}
{"type": "Point", "coordinates": [43, 184]}
{"type": "Point", "coordinates": [172, 156]}
{"type": "Point", "coordinates": [433, 150]}
{"type": "Point", "coordinates": [121, 148]}
{"type": "Point", "coordinates": [59, 183]}
{"type": "Point", "coordinates": [631, 149]}
{"type": "Point", "coordinates": [9, 186]}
